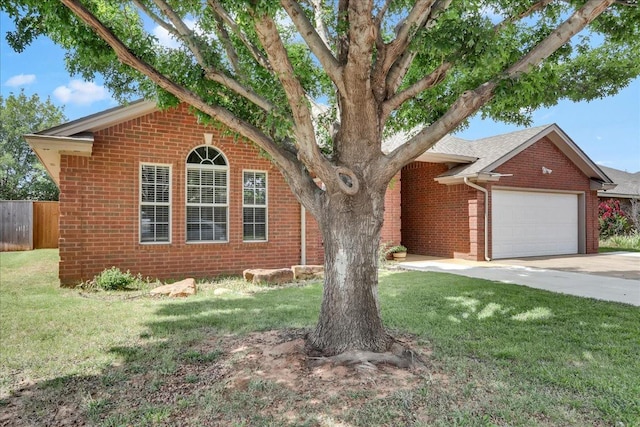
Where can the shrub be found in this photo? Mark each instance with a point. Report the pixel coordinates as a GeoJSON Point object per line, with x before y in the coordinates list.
{"type": "Point", "coordinates": [112, 279]}
{"type": "Point", "coordinates": [612, 219]}
{"type": "Point", "coordinates": [397, 249]}
{"type": "Point", "coordinates": [629, 241]}
{"type": "Point", "coordinates": [383, 253]}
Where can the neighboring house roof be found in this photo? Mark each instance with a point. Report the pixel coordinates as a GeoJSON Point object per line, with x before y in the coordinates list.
{"type": "Point", "coordinates": [628, 184]}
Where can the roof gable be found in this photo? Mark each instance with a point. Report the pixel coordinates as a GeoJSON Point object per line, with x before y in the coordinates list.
{"type": "Point", "coordinates": [76, 137]}
{"type": "Point", "coordinates": [496, 150]}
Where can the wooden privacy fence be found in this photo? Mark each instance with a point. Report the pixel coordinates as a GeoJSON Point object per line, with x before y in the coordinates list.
{"type": "Point", "coordinates": [26, 225]}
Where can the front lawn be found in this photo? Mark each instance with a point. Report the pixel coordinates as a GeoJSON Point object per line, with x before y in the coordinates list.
{"type": "Point", "coordinates": [495, 354]}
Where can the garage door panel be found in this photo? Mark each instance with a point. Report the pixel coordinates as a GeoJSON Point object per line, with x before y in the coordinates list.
{"type": "Point", "coordinates": [531, 223]}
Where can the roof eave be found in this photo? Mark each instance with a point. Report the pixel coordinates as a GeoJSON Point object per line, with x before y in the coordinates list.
{"type": "Point", "coordinates": [49, 149]}
{"type": "Point", "coordinates": [431, 157]}
{"type": "Point", "coordinates": [476, 177]}
{"type": "Point", "coordinates": [102, 119]}
{"type": "Point", "coordinates": [608, 195]}
{"type": "Point", "coordinates": [596, 184]}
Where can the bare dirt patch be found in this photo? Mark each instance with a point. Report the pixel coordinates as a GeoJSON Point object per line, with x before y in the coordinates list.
{"type": "Point", "coordinates": [279, 357]}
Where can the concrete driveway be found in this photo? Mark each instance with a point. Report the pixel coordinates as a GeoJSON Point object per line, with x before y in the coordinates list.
{"type": "Point", "coordinates": [613, 276]}
{"type": "Point", "coordinates": [623, 265]}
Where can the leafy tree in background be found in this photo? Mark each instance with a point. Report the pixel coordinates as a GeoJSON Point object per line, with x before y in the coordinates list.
{"type": "Point", "coordinates": [381, 66]}
{"type": "Point", "coordinates": [22, 176]}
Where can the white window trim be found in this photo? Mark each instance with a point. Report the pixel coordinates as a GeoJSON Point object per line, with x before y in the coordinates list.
{"type": "Point", "coordinates": [186, 192]}
{"type": "Point", "coordinates": [141, 203]}
{"type": "Point", "coordinates": [265, 206]}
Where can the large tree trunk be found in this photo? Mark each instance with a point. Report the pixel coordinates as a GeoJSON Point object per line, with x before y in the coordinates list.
{"type": "Point", "coordinates": [350, 313]}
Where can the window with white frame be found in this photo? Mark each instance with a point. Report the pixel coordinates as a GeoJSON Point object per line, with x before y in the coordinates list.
{"type": "Point", "coordinates": [155, 203]}
{"type": "Point", "coordinates": [207, 196]}
{"type": "Point", "coordinates": [254, 206]}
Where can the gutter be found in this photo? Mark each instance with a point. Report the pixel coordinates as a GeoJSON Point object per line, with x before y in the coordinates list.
{"type": "Point", "coordinates": [486, 215]}
{"type": "Point", "coordinates": [596, 184]}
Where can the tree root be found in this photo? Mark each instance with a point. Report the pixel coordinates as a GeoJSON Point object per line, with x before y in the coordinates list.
{"type": "Point", "coordinates": [398, 355]}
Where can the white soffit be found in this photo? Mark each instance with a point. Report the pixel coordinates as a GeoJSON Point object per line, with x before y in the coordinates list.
{"type": "Point", "coordinates": [50, 148]}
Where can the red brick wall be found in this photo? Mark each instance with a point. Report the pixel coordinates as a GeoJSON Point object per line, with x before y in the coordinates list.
{"type": "Point", "coordinates": [526, 168]}
{"type": "Point", "coordinates": [99, 206]}
{"type": "Point", "coordinates": [391, 229]}
{"type": "Point", "coordinates": [436, 218]}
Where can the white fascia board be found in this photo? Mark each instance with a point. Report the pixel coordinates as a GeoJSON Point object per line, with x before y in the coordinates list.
{"type": "Point", "coordinates": [48, 149]}
{"type": "Point", "coordinates": [63, 144]}
{"type": "Point", "coordinates": [455, 179]}
{"type": "Point", "coordinates": [608, 195]}
{"type": "Point", "coordinates": [102, 119]}
{"type": "Point", "coordinates": [430, 157]}
{"type": "Point", "coordinates": [476, 177]}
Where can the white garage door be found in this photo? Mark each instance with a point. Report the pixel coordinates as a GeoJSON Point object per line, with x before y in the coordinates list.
{"type": "Point", "coordinates": [532, 224]}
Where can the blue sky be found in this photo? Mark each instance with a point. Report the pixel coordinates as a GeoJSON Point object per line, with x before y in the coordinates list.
{"type": "Point", "coordinates": [608, 130]}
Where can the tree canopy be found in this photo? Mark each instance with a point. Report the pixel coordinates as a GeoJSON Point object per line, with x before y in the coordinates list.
{"type": "Point", "coordinates": [22, 176]}
{"type": "Point", "coordinates": [253, 65]}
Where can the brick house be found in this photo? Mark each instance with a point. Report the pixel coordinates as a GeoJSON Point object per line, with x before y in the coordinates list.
{"type": "Point", "coordinates": [158, 193]}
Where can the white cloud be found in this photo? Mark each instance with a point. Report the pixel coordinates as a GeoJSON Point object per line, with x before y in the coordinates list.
{"type": "Point", "coordinates": [80, 93]}
{"type": "Point", "coordinates": [21, 80]}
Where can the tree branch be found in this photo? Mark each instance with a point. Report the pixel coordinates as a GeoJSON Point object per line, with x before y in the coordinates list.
{"type": "Point", "coordinates": [381, 12]}
{"type": "Point", "coordinates": [403, 61]}
{"type": "Point", "coordinates": [471, 101]}
{"type": "Point", "coordinates": [404, 32]}
{"type": "Point", "coordinates": [184, 33]}
{"type": "Point", "coordinates": [285, 161]}
{"type": "Point", "coordinates": [428, 81]}
{"type": "Point", "coordinates": [320, 26]}
{"type": "Point", "coordinates": [258, 56]}
{"type": "Point", "coordinates": [308, 151]}
{"type": "Point", "coordinates": [225, 39]}
{"type": "Point", "coordinates": [319, 47]}
{"type": "Point", "coordinates": [534, 8]}
{"type": "Point", "coordinates": [361, 35]}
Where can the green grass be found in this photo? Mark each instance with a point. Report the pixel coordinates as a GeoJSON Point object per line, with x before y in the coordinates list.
{"type": "Point", "coordinates": [499, 354]}
{"type": "Point", "coordinates": [629, 242]}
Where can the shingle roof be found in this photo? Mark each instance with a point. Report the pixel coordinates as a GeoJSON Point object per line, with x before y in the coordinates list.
{"type": "Point", "coordinates": [490, 150]}
{"type": "Point", "coordinates": [483, 156]}
{"type": "Point", "coordinates": [448, 145]}
{"type": "Point", "coordinates": [628, 183]}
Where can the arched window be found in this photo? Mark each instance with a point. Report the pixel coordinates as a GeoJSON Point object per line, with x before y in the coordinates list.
{"type": "Point", "coordinates": [207, 196]}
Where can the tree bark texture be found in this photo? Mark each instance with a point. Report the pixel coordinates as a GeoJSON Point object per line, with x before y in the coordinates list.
{"type": "Point", "coordinates": [350, 313]}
